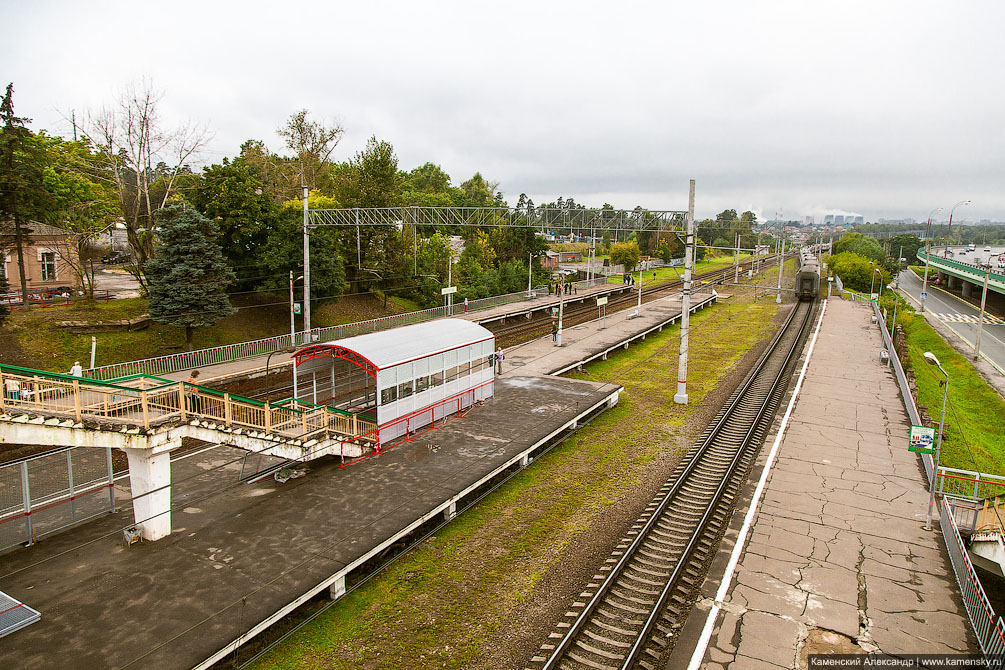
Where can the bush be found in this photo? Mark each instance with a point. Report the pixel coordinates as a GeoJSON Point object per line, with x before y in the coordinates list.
{"type": "Point", "coordinates": [855, 271]}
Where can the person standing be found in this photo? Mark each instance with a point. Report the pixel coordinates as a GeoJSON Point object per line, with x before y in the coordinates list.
{"type": "Point", "coordinates": [193, 392]}
{"type": "Point", "coordinates": [499, 359]}
{"type": "Point", "coordinates": [12, 388]}
{"type": "Point", "coordinates": [554, 330]}
{"type": "Point", "coordinates": [77, 370]}
{"type": "Point", "coordinates": [465, 305]}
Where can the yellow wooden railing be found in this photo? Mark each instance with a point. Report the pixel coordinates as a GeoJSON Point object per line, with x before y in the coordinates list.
{"type": "Point", "coordinates": [148, 401]}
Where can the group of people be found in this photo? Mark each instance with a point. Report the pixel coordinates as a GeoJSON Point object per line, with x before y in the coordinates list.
{"type": "Point", "coordinates": [12, 387]}
{"type": "Point", "coordinates": [557, 288]}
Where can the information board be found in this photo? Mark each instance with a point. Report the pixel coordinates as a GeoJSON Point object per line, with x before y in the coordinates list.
{"type": "Point", "coordinates": [922, 440]}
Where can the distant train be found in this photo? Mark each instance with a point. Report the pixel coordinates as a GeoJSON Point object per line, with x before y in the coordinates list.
{"type": "Point", "coordinates": [808, 276]}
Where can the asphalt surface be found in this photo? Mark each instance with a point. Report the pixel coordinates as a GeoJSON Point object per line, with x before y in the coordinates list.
{"type": "Point", "coordinates": [977, 256]}
{"type": "Point", "coordinates": [959, 316]}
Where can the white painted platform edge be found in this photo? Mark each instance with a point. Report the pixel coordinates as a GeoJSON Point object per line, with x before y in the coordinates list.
{"type": "Point", "coordinates": [741, 540]}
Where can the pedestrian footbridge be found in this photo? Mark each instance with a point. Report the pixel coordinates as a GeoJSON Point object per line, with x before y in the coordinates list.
{"type": "Point", "coordinates": [147, 417]}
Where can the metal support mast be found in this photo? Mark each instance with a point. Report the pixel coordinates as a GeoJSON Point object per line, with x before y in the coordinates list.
{"type": "Point", "coordinates": [781, 264]}
{"type": "Point", "coordinates": [685, 304]}
{"type": "Point", "coordinates": [307, 273]}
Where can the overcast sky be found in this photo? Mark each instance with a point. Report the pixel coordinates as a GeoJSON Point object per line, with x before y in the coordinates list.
{"type": "Point", "coordinates": [879, 108]}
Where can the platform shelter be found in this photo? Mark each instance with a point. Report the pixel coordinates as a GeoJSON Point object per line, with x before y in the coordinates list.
{"type": "Point", "coordinates": [403, 379]}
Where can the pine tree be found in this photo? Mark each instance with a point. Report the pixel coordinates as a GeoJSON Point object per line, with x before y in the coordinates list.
{"type": "Point", "coordinates": [188, 277]}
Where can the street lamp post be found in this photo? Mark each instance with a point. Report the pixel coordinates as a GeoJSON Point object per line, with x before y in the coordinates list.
{"type": "Point", "coordinates": [932, 360]}
{"type": "Point", "coordinates": [949, 228]}
{"type": "Point", "coordinates": [896, 301]}
{"type": "Point", "coordinates": [980, 320]}
{"type": "Point", "coordinates": [928, 250]}
{"type": "Point", "coordinates": [872, 283]}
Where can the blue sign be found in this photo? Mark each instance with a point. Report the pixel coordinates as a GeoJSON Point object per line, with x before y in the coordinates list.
{"type": "Point", "coordinates": [924, 294]}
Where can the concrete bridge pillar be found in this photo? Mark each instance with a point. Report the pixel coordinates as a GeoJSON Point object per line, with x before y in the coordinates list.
{"type": "Point", "coordinates": [942, 277]}
{"type": "Point", "coordinates": [954, 282]}
{"type": "Point", "coordinates": [968, 289]}
{"type": "Point", "coordinates": [150, 482]}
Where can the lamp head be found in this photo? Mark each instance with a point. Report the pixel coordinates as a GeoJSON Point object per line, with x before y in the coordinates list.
{"type": "Point", "coordinates": [932, 360]}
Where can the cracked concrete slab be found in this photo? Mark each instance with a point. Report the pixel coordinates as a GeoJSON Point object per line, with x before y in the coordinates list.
{"type": "Point", "coordinates": [838, 547]}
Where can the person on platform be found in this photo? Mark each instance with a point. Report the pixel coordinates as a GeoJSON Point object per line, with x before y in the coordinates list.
{"type": "Point", "coordinates": [554, 331]}
{"type": "Point", "coordinates": [77, 370]}
{"type": "Point", "coordinates": [500, 357]}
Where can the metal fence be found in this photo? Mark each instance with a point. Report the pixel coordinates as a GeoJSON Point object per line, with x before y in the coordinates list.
{"type": "Point", "coordinates": [46, 493]}
{"type": "Point", "coordinates": [234, 352]}
{"type": "Point", "coordinates": [971, 485]}
{"type": "Point", "coordinates": [989, 628]}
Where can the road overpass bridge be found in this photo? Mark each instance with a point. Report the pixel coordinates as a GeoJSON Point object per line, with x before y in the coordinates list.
{"type": "Point", "coordinates": [967, 277]}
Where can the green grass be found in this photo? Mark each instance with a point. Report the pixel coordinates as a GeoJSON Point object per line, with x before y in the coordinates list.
{"type": "Point", "coordinates": [975, 413]}
{"type": "Point", "coordinates": [38, 343]}
{"type": "Point", "coordinates": [451, 603]}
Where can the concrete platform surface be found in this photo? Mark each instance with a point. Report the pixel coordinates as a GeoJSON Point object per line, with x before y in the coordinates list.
{"type": "Point", "coordinates": [240, 552]}
{"type": "Point", "coordinates": [838, 559]}
{"type": "Point", "coordinates": [582, 342]}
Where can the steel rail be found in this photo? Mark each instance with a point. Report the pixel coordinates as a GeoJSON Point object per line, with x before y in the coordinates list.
{"type": "Point", "coordinates": [695, 460]}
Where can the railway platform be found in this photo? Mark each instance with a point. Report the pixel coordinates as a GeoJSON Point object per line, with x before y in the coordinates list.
{"type": "Point", "coordinates": [242, 555]}
{"type": "Point", "coordinates": [597, 338]}
{"type": "Point", "coordinates": [837, 559]}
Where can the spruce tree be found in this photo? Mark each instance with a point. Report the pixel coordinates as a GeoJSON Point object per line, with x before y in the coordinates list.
{"type": "Point", "coordinates": [188, 277]}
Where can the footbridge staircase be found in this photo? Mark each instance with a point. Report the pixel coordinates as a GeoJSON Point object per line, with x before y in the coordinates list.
{"type": "Point", "coordinates": [147, 417]}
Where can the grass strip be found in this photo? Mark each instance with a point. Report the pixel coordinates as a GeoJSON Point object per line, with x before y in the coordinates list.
{"type": "Point", "coordinates": [980, 411]}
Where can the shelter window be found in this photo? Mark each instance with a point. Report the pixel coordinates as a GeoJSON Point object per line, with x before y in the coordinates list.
{"type": "Point", "coordinates": [436, 379]}
{"type": "Point", "coordinates": [404, 389]}
{"type": "Point", "coordinates": [388, 395]}
{"type": "Point", "coordinates": [421, 383]}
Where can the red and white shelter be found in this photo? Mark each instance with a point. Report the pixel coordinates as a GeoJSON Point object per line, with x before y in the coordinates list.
{"type": "Point", "coordinates": [404, 378]}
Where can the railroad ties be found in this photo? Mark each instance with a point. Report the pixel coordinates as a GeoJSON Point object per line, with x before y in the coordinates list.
{"type": "Point", "coordinates": [632, 609]}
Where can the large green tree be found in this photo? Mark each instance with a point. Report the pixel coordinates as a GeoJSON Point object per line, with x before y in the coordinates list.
{"type": "Point", "coordinates": [189, 276]}
{"type": "Point", "coordinates": [370, 179]}
{"type": "Point", "coordinates": [22, 194]}
{"type": "Point", "coordinates": [910, 245]}
{"type": "Point", "coordinates": [627, 254]}
{"type": "Point", "coordinates": [233, 196]}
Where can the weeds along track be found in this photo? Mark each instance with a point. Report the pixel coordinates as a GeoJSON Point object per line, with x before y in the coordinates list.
{"type": "Point", "coordinates": [577, 312]}
{"type": "Point", "coordinates": [631, 611]}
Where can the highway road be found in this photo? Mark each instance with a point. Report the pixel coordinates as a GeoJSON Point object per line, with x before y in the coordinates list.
{"type": "Point", "coordinates": [961, 317]}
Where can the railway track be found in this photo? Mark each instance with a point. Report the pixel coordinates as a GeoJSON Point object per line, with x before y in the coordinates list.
{"type": "Point", "coordinates": [630, 613]}
{"type": "Point", "coordinates": [575, 314]}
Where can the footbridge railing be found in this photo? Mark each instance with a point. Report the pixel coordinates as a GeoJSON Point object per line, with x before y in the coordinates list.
{"type": "Point", "coordinates": [147, 401]}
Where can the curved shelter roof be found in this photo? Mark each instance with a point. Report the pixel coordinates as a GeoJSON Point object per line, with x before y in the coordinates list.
{"type": "Point", "coordinates": [387, 348]}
